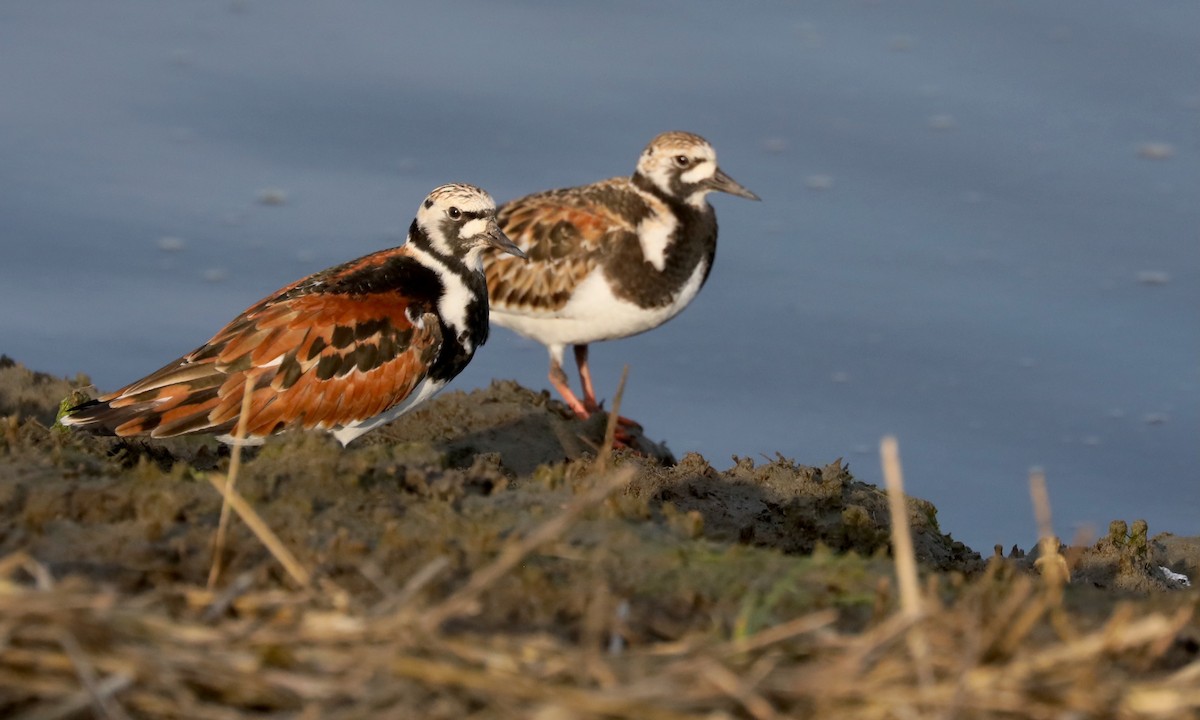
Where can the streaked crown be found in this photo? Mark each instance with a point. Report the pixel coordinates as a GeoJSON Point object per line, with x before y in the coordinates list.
{"type": "Point", "coordinates": [460, 194]}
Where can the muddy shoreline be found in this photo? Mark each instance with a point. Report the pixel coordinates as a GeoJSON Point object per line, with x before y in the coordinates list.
{"type": "Point", "coordinates": [103, 531]}
{"type": "Point", "coordinates": [488, 447]}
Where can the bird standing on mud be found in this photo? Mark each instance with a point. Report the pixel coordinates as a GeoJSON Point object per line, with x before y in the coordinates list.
{"type": "Point", "coordinates": [611, 259]}
{"type": "Point", "coordinates": [345, 350]}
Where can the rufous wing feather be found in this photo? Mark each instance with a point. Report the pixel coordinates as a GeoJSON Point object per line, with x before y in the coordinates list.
{"type": "Point", "coordinates": [315, 360]}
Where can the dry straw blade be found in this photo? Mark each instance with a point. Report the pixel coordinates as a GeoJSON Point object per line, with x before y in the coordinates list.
{"type": "Point", "coordinates": [263, 532]}
{"type": "Point", "coordinates": [235, 464]}
{"type": "Point", "coordinates": [230, 499]}
{"type": "Point", "coordinates": [604, 458]}
{"type": "Point", "coordinates": [1050, 562]}
{"type": "Point", "coordinates": [905, 559]}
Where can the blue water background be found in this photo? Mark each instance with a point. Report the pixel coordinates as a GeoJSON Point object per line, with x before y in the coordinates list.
{"type": "Point", "coordinates": [980, 227]}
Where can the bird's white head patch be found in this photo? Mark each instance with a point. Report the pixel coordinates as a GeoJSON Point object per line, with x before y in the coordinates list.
{"type": "Point", "coordinates": [678, 163]}
{"type": "Point", "coordinates": [456, 218]}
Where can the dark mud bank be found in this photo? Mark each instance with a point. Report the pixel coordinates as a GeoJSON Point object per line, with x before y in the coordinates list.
{"type": "Point", "coordinates": [465, 468]}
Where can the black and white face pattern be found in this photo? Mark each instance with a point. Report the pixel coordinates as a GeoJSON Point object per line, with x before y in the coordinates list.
{"type": "Point", "coordinates": [680, 164]}
{"type": "Point", "coordinates": [460, 221]}
{"type": "Point", "coordinates": [684, 166]}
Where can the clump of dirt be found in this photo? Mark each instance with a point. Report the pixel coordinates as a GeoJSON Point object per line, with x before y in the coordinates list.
{"type": "Point", "coordinates": [1127, 559]}
{"type": "Point", "coordinates": [795, 508]}
{"type": "Point", "coordinates": [525, 429]}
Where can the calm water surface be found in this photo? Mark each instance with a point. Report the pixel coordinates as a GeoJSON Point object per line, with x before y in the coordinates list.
{"type": "Point", "coordinates": [979, 228]}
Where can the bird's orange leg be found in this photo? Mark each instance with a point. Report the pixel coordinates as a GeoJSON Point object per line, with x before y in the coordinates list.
{"type": "Point", "coordinates": [585, 377]}
{"type": "Point", "coordinates": [589, 395]}
{"type": "Point", "coordinates": [558, 378]}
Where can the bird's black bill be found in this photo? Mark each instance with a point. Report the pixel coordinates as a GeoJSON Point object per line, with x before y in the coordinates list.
{"type": "Point", "coordinates": [497, 239]}
{"type": "Point", "coordinates": [723, 183]}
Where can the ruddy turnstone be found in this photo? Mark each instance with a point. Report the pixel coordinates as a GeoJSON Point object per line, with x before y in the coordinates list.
{"type": "Point", "coordinates": [345, 350]}
{"type": "Point", "coordinates": [611, 259]}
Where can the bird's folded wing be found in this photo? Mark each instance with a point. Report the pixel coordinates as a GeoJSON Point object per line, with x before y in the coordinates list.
{"type": "Point", "coordinates": [566, 235]}
{"type": "Point", "coordinates": [309, 360]}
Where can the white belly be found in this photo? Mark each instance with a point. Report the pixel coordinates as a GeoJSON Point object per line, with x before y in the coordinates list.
{"type": "Point", "coordinates": [594, 314]}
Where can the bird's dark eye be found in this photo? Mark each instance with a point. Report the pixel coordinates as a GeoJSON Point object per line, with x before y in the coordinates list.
{"type": "Point", "coordinates": [454, 213]}
{"type": "Point", "coordinates": [682, 160]}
